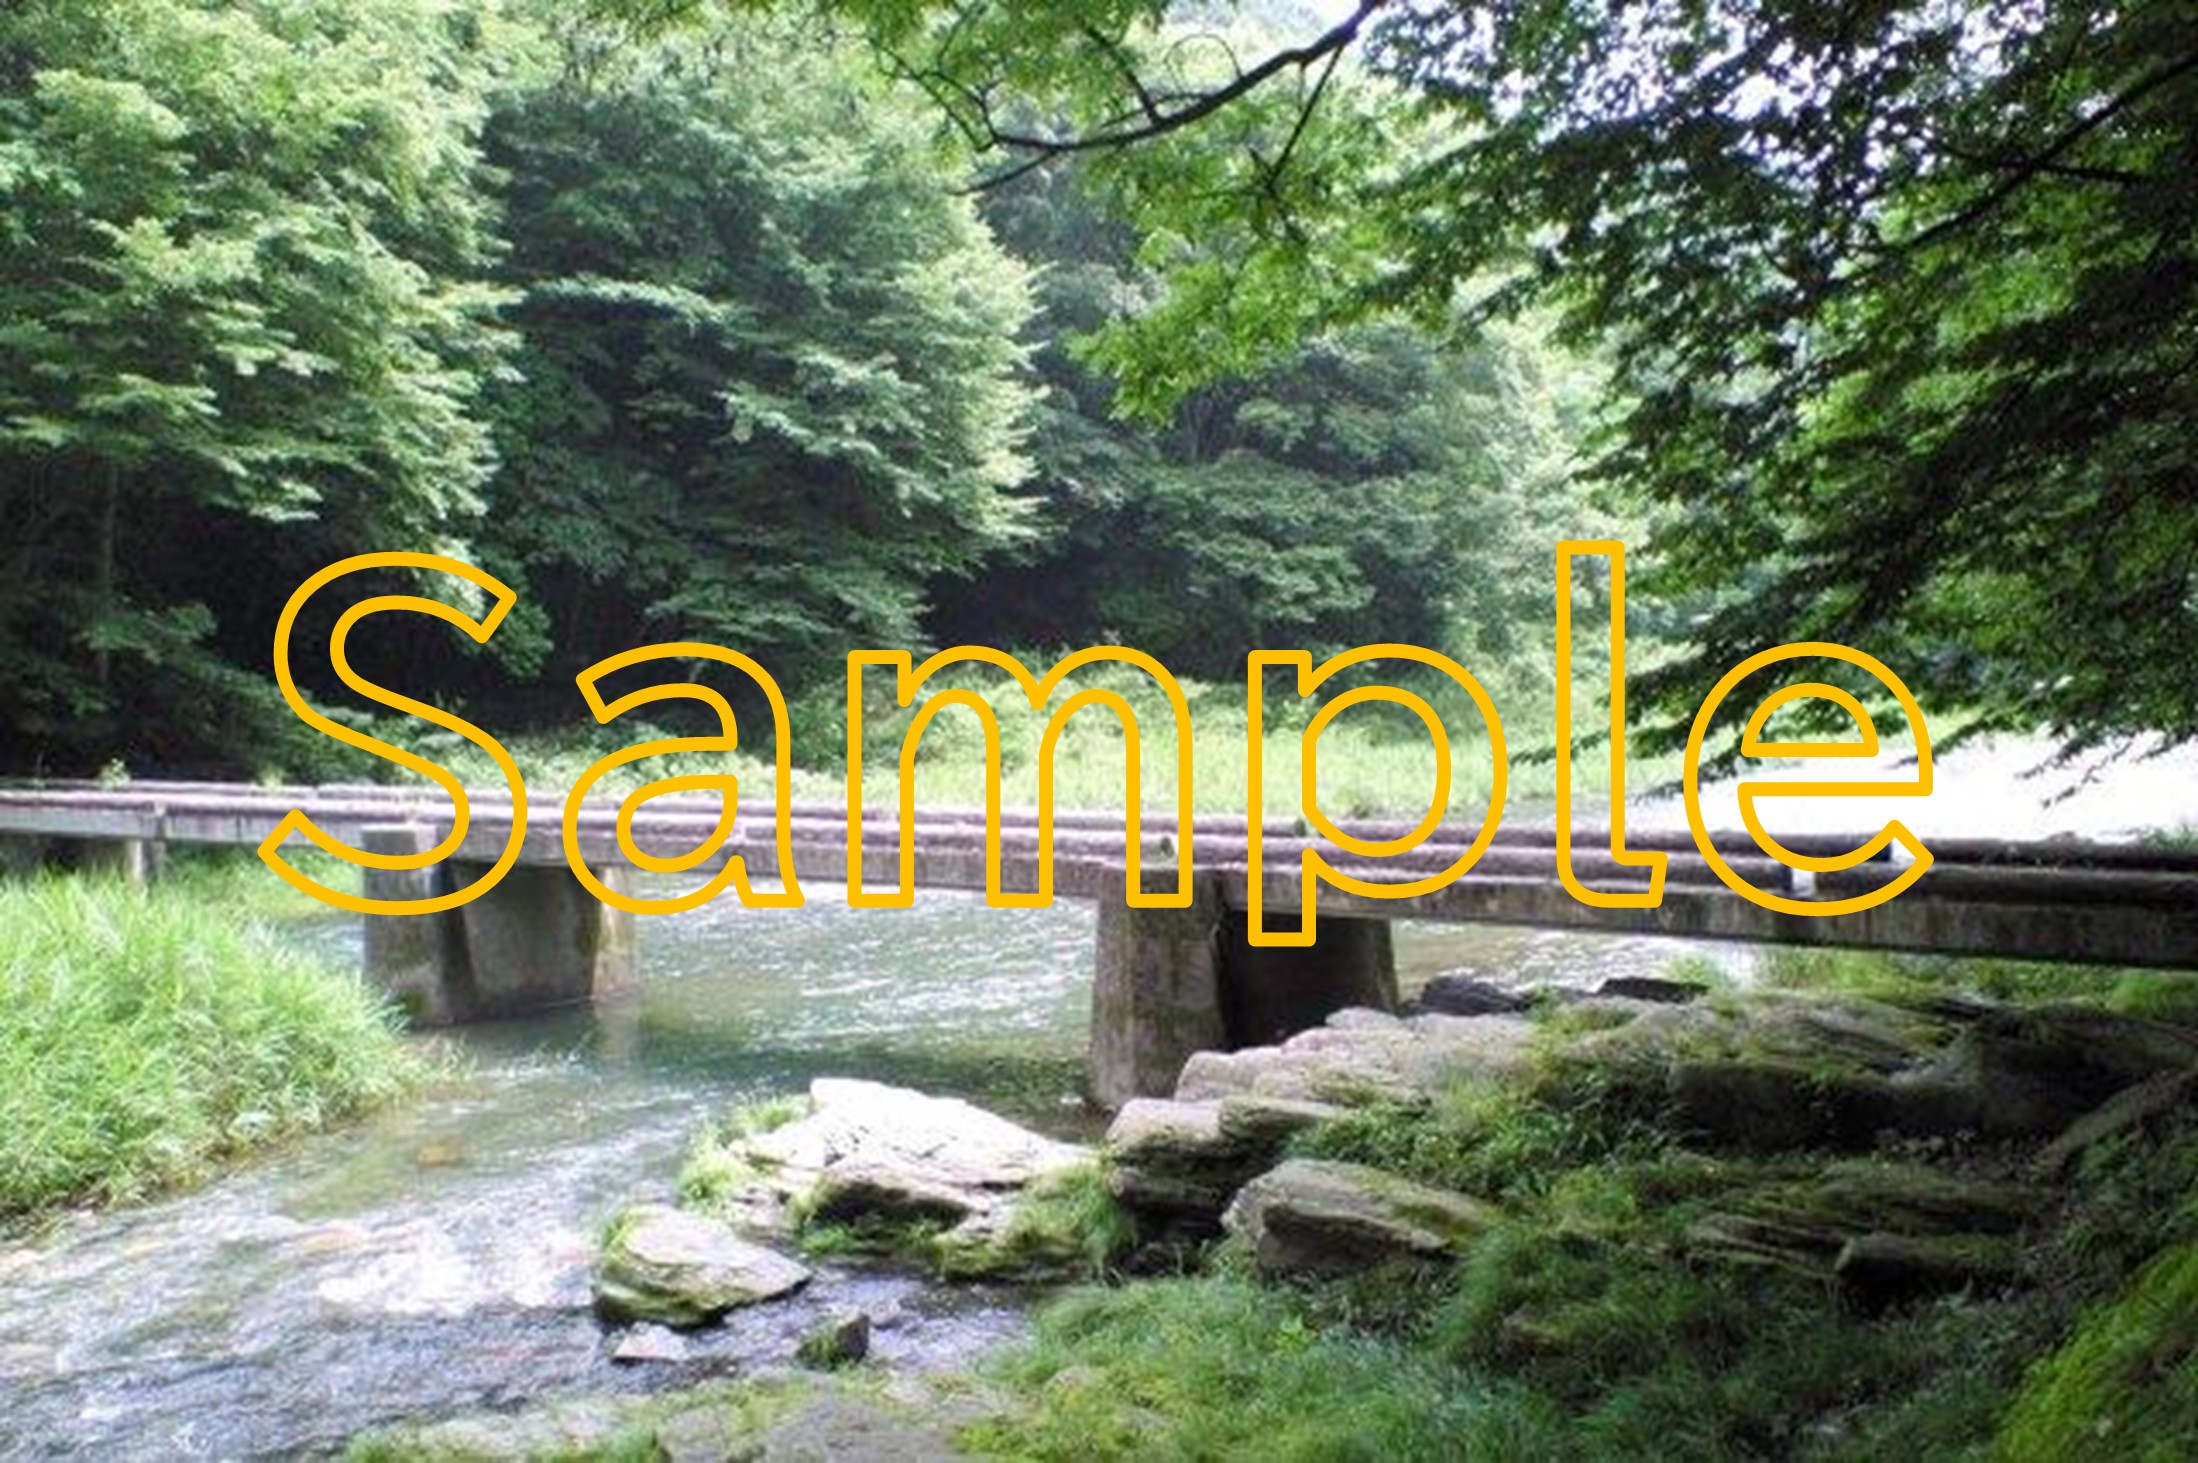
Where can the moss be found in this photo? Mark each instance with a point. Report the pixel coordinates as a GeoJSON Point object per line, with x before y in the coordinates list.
{"type": "Point", "coordinates": [1067, 1223]}
{"type": "Point", "coordinates": [717, 1173]}
{"type": "Point", "coordinates": [2126, 1383]}
{"type": "Point", "coordinates": [713, 1176]}
{"type": "Point", "coordinates": [2157, 995]}
{"type": "Point", "coordinates": [616, 1228]}
{"type": "Point", "coordinates": [833, 1241]}
{"type": "Point", "coordinates": [767, 1115]}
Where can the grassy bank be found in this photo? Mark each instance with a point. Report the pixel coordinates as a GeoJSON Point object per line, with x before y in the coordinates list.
{"type": "Point", "coordinates": [1652, 1274]}
{"type": "Point", "coordinates": [148, 1035]}
{"type": "Point", "coordinates": [1373, 760]}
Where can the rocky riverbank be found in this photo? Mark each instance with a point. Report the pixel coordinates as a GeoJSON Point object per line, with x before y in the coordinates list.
{"type": "Point", "coordinates": [1649, 1216]}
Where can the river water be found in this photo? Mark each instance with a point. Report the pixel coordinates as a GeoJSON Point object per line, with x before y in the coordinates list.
{"type": "Point", "coordinates": [434, 1259]}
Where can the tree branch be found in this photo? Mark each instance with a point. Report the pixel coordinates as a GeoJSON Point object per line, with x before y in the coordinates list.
{"type": "Point", "coordinates": [1152, 115]}
{"type": "Point", "coordinates": [2023, 171]}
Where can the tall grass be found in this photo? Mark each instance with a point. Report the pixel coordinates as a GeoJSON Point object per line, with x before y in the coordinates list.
{"type": "Point", "coordinates": [1217, 1367]}
{"type": "Point", "coordinates": [147, 1035]}
{"type": "Point", "coordinates": [1373, 760]}
{"type": "Point", "coordinates": [2159, 995]}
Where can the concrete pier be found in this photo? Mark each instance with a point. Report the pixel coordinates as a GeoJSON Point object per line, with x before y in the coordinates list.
{"type": "Point", "coordinates": [537, 941]}
{"type": "Point", "coordinates": [1156, 992]}
{"type": "Point", "coordinates": [1272, 992]}
{"type": "Point", "coordinates": [1170, 982]}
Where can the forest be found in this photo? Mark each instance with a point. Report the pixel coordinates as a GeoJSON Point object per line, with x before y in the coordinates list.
{"type": "Point", "coordinates": [1203, 327]}
{"type": "Point", "coordinates": [699, 335]}
{"type": "Point", "coordinates": [811, 328]}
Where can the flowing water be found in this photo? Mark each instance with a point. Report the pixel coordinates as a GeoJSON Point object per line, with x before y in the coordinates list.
{"type": "Point", "coordinates": [434, 1259]}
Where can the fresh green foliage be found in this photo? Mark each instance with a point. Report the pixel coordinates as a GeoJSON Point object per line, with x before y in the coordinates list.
{"type": "Point", "coordinates": [1496, 1141]}
{"type": "Point", "coordinates": [1368, 763]}
{"type": "Point", "coordinates": [1065, 1223]}
{"type": "Point", "coordinates": [1901, 295]}
{"type": "Point", "coordinates": [2126, 1384]}
{"type": "Point", "coordinates": [770, 378]}
{"type": "Point", "coordinates": [145, 1036]}
{"type": "Point", "coordinates": [714, 1172]}
{"type": "Point", "coordinates": [1383, 483]}
{"type": "Point", "coordinates": [685, 331]}
{"type": "Point", "coordinates": [2164, 995]}
{"type": "Point", "coordinates": [239, 273]}
{"type": "Point", "coordinates": [1217, 1367]}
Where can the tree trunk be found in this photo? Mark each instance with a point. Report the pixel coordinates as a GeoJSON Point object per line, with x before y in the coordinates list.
{"type": "Point", "coordinates": [103, 575]}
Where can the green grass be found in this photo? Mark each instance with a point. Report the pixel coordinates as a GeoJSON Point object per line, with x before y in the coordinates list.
{"type": "Point", "coordinates": [1074, 1212]}
{"type": "Point", "coordinates": [1067, 1224]}
{"type": "Point", "coordinates": [1373, 760]}
{"type": "Point", "coordinates": [237, 880]}
{"type": "Point", "coordinates": [1219, 1367]}
{"type": "Point", "coordinates": [2126, 1384]}
{"type": "Point", "coordinates": [2160, 995]}
{"type": "Point", "coordinates": [148, 1035]}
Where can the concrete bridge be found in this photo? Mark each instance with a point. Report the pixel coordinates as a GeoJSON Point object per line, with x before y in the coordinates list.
{"type": "Point", "coordinates": [1167, 982]}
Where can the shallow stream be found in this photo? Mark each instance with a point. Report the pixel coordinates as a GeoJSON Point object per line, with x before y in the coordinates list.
{"type": "Point", "coordinates": [434, 1259]}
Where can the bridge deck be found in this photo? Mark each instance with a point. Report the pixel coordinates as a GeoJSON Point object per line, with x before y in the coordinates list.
{"type": "Point", "coordinates": [2054, 899]}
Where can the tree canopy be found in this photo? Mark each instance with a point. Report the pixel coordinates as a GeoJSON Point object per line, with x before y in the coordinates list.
{"type": "Point", "coordinates": [690, 332]}
{"type": "Point", "coordinates": [241, 253]}
{"type": "Point", "coordinates": [857, 322]}
{"type": "Point", "coordinates": [771, 382]}
{"type": "Point", "coordinates": [1903, 294]}
{"type": "Point", "coordinates": [1377, 483]}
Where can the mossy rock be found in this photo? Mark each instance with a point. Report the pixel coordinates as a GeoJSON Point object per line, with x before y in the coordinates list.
{"type": "Point", "coordinates": [1883, 1269]}
{"type": "Point", "coordinates": [2036, 1070]}
{"type": "Point", "coordinates": [840, 1341]}
{"type": "Point", "coordinates": [1313, 1217]}
{"type": "Point", "coordinates": [1068, 1225]}
{"type": "Point", "coordinates": [684, 1270]}
{"type": "Point", "coordinates": [1884, 1229]}
{"type": "Point", "coordinates": [1912, 1198]}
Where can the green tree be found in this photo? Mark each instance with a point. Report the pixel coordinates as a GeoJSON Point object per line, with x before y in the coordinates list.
{"type": "Point", "coordinates": [240, 321]}
{"type": "Point", "coordinates": [772, 378]}
{"type": "Point", "coordinates": [1903, 293]}
{"type": "Point", "coordinates": [1379, 483]}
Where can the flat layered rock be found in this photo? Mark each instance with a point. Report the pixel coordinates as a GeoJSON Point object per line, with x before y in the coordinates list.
{"type": "Point", "coordinates": [685, 1270]}
{"type": "Point", "coordinates": [1880, 1269]}
{"type": "Point", "coordinates": [868, 1152]}
{"type": "Point", "coordinates": [1310, 1217]}
{"type": "Point", "coordinates": [1185, 1160]}
{"type": "Point", "coordinates": [1354, 1061]}
{"type": "Point", "coordinates": [1175, 1160]}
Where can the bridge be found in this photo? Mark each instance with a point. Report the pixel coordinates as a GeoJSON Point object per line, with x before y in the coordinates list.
{"type": "Point", "coordinates": [1167, 982]}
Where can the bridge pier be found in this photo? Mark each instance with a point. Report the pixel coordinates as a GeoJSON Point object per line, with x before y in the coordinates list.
{"type": "Point", "coordinates": [1272, 992]}
{"type": "Point", "coordinates": [1156, 991]}
{"type": "Point", "coordinates": [537, 941]}
{"type": "Point", "coordinates": [138, 860]}
{"type": "Point", "coordinates": [1170, 982]}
